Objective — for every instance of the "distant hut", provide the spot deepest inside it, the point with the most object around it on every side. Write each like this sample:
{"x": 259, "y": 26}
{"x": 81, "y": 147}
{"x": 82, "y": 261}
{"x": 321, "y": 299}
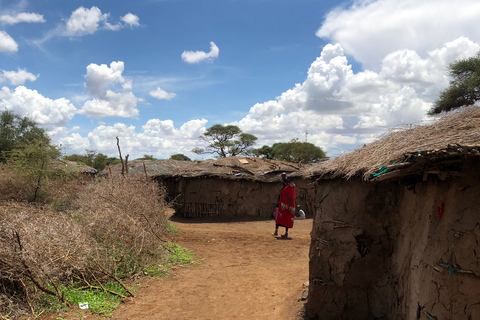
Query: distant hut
{"x": 396, "y": 231}
{"x": 234, "y": 186}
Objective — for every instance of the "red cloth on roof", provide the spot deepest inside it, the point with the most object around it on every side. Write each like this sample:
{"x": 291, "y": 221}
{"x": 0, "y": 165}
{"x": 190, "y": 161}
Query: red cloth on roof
{"x": 286, "y": 207}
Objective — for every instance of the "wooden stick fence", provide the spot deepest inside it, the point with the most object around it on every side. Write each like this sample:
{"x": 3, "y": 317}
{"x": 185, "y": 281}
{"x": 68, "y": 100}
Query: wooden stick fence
{"x": 198, "y": 210}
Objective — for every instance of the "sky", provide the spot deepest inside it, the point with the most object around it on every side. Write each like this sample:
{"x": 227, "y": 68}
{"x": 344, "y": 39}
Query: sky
{"x": 158, "y": 73}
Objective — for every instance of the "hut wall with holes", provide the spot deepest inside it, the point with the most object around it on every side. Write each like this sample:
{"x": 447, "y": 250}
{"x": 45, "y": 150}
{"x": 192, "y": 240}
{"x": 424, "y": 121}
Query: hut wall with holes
{"x": 407, "y": 248}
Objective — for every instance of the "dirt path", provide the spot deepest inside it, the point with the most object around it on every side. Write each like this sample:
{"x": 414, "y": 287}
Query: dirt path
{"x": 244, "y": 272}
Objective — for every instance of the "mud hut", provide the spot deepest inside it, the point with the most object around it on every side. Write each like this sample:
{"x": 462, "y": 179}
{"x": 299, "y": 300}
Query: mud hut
{"x": 234, "y": 186}
{"x": 396, "y": 231}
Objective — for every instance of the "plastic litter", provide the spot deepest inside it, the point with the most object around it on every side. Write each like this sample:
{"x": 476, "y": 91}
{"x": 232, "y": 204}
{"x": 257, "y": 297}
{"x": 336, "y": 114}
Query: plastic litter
{"x": 83, "y": 306}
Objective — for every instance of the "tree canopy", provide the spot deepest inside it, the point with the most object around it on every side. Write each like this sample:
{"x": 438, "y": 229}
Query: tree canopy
{"x": 464, "y": 88}
{"x": 15, "y": 131}
{"x": 180, "y": 157}
{"x": 147, "y": 157}
{"x": 293, "y": 151}
{"x": 91, "y": 158}
{"x": 226, "y": 141}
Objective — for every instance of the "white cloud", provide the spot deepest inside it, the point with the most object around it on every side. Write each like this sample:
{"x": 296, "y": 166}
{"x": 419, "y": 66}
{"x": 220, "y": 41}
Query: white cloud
{"x": 49, "y": 114}
{"x": 27, "y": 17}
{"x": 101, "y": 77}
{"x": 199, "y": 56}
{"x": 131, "y": 20}
{"x": 370, "y": 30}
{"x": 84, "y": 21}
{"x": 17, "y": 77}
{"x": 349, "y": 108}
{"x": 158, "y": 137}
{"x": 113, "y": 105}
{"x": 107, "y": 103}
{"x": 75, "y": 144}
{"x": 113, "y": 27}
{"x": 7, "y": 44}
{"x": 162, "y": 94}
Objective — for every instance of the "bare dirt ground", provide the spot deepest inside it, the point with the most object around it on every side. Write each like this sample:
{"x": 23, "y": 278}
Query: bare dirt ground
{"x": 243, "y": 272}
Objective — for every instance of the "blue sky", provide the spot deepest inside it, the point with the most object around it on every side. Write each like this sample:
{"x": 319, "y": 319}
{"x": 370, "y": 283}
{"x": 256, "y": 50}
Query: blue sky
{"x": 157, "y": 73}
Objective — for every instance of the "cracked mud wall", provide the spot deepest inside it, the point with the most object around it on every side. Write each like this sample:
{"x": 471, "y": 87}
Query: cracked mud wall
{"x": 437, "y": 260}
{"x": 350, "y": 276}
{"x": 380, "y": 251}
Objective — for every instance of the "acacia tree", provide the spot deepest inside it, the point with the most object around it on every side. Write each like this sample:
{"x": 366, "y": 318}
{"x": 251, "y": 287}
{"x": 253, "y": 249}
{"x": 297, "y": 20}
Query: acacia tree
{"x": 464, "y": 88}
{"x": 263, "y": 152}
{"x": 15, "y": 131}
{"x": 226, "y": 141}
{"x": 31, "y": 159}
{"x": 293, "y": 151}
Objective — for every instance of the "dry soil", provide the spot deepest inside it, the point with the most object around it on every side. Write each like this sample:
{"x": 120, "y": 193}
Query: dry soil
{"x": 243, "y": 272}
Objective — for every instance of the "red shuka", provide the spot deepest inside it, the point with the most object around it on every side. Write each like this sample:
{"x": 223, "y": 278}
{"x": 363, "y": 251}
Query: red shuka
{"x": 286, "y": 207}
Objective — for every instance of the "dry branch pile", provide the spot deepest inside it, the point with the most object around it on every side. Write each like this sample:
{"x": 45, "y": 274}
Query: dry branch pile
{"x": 127, "y": 214}
{"x": 113, "y": 227}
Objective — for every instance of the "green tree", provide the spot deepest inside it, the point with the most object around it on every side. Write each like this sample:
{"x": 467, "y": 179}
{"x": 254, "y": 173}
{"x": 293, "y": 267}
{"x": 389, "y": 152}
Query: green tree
{"x": 147, "y": 157}
{"x": 100, "y": 162}
{"x": 113, "y": 161}
{"x": 31, "y": 159}
{"x": 180, "y": 157}
{"x": 464, "y": 88}
{"x": 263, "y": 152}
{"x": 296, "y": 151}
{"x": 243, "y": 145}
{"x": 91, "y": 158}
{"x": 15, "y": 130}
{"x": 226, "y": 141}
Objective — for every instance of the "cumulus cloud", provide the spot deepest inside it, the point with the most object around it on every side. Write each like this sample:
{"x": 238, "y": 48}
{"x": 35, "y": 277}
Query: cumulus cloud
{"x": 162, "y": 94}
{"x": 370, "y": 30}
{"x": 199, "y": 56}
{"x": 131, "y": 20}
{"x": 157, "y": 137}
{"x": 101, "y": 79}
{"x": 49, "y": 114}
{"x": 27, "y": 17}
{"x": 7, "y": 44}
{"x": 17, "y": 77}
{"x": 344, "y": 109}
{"x": 84, "y": 21}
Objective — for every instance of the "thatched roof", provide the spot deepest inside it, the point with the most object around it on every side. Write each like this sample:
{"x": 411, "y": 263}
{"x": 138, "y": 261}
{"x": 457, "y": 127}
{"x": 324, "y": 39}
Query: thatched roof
{"x": 258, "y": 169}
{"x": 452, "y": 135}
{"x": 69, "y": 166}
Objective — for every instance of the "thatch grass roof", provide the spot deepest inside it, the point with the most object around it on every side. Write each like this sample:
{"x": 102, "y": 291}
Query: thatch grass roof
{"x": 68, "y": 166}
{"x": 456, "y": 131}
{"x": 248, "y": 168}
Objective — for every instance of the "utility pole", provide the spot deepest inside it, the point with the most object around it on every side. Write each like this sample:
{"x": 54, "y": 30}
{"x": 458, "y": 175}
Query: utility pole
{"x": 306, "y": 136}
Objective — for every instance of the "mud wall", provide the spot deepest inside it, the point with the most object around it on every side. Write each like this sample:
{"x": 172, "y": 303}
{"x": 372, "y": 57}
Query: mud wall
{"x": 380, "y": 251}
{"x": 213, "y": 196}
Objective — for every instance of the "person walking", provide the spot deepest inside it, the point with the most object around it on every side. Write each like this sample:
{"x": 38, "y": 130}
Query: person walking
{"x": 286, "y": 206}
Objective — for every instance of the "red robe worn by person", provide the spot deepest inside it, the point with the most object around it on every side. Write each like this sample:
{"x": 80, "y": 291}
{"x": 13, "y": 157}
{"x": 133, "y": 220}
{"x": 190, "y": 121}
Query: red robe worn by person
{"x": 286, "y": 207}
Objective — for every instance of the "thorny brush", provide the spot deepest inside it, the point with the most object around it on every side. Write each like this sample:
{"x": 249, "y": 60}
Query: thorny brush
{"x": 84, "y": 233}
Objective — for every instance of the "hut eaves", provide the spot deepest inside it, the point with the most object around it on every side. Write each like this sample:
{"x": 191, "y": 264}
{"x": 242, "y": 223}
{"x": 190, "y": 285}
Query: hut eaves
{"x": 410, "y": 150}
